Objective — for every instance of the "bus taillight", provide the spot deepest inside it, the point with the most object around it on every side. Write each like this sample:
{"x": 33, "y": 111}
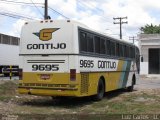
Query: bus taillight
{"x": 72, "y": 74}
{"x": 20, "y": 74}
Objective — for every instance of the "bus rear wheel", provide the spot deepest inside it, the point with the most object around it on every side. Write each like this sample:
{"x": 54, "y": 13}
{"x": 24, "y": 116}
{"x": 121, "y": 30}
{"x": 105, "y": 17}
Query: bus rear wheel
{"x": 100, "y": 91}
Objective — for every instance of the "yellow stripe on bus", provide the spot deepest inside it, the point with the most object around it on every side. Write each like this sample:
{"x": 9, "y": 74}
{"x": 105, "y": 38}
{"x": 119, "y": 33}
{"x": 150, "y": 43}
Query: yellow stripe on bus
{"x": 62, "y": 80}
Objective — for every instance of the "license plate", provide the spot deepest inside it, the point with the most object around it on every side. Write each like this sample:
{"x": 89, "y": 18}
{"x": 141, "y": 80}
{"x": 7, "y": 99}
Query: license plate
{"x": 45, "y": 76}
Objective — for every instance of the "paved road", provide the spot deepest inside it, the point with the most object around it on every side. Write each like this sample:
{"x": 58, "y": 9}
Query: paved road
{"x": 148, "y": 82}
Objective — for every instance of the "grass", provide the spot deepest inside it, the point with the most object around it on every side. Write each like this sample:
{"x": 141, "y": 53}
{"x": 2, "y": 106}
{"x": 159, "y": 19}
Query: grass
{"x": 117, "y": 102}
{"x": 8, "y": 87}
{"x": 8, "y": 90}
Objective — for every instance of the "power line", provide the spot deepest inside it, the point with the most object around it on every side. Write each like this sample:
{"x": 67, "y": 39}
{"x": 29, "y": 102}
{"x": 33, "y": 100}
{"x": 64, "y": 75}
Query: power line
{"x": 58, "y": 12}
{"x": 36, "y": 8}
{"x": 16, "y": 16}
{"x": 120, "y": 23}
{"x": 89, "y": 5}
{"x": 19, "y": 2}
{"x": 9, "y": 15}
{"x": 23, "y": 4}
{"x": 93, "y": 8}
{"x": 35, "y": 5}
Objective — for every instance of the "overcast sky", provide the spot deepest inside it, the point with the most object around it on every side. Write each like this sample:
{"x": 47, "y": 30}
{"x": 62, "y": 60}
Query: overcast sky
{"x": 96, "y": 14}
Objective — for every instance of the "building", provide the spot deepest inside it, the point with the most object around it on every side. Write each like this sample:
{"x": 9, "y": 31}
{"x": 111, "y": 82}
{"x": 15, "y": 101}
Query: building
{"x": 150, "y": 53}
{"x": 9, "y": 53}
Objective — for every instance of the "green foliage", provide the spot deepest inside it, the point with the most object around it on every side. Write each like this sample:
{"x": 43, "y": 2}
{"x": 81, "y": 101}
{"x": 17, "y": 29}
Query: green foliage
{"x": 150, "y": 29}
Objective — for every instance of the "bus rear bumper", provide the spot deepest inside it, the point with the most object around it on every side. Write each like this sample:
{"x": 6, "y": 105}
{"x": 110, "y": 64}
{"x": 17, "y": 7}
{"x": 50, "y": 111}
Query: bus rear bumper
{"x": 49, "y": 92}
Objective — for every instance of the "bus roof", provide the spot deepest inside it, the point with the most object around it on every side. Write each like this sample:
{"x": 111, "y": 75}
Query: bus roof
{"x": 78, "y": 24}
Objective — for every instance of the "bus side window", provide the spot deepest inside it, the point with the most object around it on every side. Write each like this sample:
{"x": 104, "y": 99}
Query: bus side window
{"x": 123, "y": 50}
{"x": 97, "y": 44}
{"x": 120, "y": 50}
{"x": 102, "y": 46}
{"x": 90, "y": 45}
{"x": 83, "y": 42}
{"x": 131, "y": 52}
{"x": 108, "y": 47}
{"x": 117, "y": 49}
{"x": 113, "y": 48}
{"x": 127, "y": 51}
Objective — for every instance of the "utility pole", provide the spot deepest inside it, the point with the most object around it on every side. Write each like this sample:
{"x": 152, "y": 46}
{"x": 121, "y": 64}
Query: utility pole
{"x": 46, "y": 10}
{"x": 120, "y": 23}
{"x": 133, "y": 38}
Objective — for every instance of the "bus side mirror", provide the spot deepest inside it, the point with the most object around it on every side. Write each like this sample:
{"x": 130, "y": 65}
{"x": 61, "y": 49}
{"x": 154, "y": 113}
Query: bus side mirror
{"x": 141, "y": 58}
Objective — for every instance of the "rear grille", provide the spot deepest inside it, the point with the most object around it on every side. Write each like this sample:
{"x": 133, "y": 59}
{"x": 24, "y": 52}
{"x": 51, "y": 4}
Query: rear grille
{"x": 43, "y": 85}
{"x": 48, "y": 86}
{"x": 84, "y": 83}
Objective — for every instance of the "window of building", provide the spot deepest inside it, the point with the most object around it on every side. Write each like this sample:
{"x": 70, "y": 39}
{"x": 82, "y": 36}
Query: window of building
{"x": 6, "y": 39}
{"x": 14, "y": 41}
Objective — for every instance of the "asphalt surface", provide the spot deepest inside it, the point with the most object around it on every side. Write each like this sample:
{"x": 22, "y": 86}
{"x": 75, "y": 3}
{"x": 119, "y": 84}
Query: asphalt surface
{"x": 148, "y": 82}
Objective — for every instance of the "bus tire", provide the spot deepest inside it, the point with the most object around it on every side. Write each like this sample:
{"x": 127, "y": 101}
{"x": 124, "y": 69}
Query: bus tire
{"x": 100, "y": 90}
{"x": 131, "y": 88}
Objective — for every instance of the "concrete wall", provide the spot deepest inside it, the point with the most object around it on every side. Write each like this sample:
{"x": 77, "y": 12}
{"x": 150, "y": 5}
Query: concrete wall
{"x": 147, "y": 41}
{"x": 144, "y": 68}
{"x": 9, "y": 54}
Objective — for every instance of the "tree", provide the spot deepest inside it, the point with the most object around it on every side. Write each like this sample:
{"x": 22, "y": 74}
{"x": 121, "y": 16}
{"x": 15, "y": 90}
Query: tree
{"x": 150, "y": 29}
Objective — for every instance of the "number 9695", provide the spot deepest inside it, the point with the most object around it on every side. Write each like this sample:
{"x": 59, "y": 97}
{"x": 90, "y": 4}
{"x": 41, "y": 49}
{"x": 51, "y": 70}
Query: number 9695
{"x": 86, "y": 63}
{"x": 45, "y": 67}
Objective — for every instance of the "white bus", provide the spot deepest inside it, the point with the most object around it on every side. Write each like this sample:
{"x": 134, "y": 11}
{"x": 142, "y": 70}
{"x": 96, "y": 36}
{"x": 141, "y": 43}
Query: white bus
{"x": 66, "y": 58}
